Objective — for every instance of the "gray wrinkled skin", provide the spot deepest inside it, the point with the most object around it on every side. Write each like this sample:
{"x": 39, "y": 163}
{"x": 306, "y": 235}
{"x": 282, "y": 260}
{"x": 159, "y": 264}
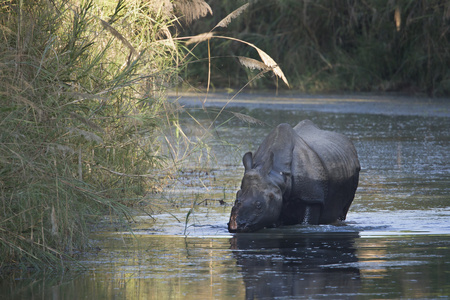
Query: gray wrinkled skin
{"x": 297, "y": 175}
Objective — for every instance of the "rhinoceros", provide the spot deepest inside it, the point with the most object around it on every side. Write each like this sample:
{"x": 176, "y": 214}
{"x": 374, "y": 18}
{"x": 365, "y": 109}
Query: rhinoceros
{"x": 300, "y": 175}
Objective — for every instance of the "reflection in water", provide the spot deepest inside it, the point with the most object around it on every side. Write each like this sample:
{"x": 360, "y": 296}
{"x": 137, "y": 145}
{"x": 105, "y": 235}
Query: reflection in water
{"x": 289, "y": 263}
{"x": 293, "y": 265}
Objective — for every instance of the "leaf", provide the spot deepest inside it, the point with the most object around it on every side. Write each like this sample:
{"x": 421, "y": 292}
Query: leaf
{"x": 117, "y": 35}
{"x": 85, "y": 121}
{"x": 272, "y": 64}
{"x": 252, "y": 63}
{"x": 54, "y": 221}
{"x": 225, "y": 21}
{"x": 25, "y": 101}
{"x": 187, "y": 220}
{"x": 397, "y": 17}
{"x": 169, "y": 40}
{"x": 89, "y": 136}
{"x": 200, "y": 38}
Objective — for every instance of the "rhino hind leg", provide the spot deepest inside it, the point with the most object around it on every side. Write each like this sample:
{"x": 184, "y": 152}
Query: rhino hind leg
{"x": 311, "y": 215}
{"x": 343, "y": 216}
{"x": 350, "y": 196}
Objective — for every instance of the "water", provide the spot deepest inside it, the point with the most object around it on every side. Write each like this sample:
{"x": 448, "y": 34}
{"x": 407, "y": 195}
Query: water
{"x": 395, "y": 242}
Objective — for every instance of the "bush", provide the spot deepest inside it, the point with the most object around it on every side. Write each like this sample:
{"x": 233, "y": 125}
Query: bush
{"x": 327, "y": 46}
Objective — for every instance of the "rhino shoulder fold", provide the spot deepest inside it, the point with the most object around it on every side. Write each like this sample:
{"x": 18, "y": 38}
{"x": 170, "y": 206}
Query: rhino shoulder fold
{"x": 309, "y": 175}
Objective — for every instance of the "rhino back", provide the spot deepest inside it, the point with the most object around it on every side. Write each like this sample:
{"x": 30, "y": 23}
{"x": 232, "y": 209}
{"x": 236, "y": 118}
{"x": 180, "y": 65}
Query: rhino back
{"x": 331, "y": 170}
{"x": 335, "y": 150}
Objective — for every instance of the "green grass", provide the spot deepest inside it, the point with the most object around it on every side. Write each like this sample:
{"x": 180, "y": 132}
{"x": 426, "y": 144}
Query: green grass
{"x": 82, "y": 107}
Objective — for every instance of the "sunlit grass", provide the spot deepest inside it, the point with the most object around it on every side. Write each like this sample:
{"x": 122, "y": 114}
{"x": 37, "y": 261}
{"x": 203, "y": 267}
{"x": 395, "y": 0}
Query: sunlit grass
{"x": 82, "y": 92}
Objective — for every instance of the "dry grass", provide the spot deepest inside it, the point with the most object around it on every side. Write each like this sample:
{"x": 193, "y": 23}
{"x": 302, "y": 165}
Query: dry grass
{"x": 192, "y": 10}
{"x": 265, "y": 58}
{"x": 234, "y": 14}
{"x": 82, "y": 91}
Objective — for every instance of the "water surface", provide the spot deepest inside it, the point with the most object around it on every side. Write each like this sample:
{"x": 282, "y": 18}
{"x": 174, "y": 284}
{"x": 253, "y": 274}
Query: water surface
{"x": 395, "y": 242}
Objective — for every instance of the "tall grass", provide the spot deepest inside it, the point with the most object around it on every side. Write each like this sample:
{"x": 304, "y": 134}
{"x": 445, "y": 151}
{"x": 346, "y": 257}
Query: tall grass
{"x": 81, "y": 92}
{"x": 340, "y": 45}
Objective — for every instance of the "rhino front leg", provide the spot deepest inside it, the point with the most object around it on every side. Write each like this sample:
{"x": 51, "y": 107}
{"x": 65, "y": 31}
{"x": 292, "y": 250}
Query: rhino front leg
{"x": 312, "y": 214}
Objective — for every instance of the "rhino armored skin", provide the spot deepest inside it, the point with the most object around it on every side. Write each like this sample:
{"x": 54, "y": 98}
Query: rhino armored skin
{"x": 300, "y": 175}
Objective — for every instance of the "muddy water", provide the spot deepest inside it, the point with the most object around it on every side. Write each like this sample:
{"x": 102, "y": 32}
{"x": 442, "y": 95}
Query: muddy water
{"x": 395, "y": 242}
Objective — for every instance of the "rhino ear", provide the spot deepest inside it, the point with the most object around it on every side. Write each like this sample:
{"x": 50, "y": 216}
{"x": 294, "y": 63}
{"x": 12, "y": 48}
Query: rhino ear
{"x": 247, "y": 160}
{"x": 268, "y": 165}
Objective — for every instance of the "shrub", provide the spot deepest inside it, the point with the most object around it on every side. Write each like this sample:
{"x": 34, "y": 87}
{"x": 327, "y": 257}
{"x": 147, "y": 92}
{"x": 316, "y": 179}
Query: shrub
{"x": 325, "y": 46}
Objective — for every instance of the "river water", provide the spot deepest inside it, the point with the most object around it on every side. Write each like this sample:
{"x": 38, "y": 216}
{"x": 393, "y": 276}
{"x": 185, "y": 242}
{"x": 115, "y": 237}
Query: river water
{"x": 395, "y": 242}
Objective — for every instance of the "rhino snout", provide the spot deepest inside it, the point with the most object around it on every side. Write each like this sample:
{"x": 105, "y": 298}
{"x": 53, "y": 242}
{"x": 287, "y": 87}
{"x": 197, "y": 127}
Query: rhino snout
{"x": 235, "y": 226}
{"x": 232, "y": 225}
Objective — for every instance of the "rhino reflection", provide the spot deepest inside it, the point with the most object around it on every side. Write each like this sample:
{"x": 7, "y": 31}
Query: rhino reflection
{"x": 305, "y": 265}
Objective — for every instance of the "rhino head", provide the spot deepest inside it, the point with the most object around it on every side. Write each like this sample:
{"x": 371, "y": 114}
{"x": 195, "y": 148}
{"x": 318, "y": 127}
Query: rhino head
{"x": 259, "y": 201}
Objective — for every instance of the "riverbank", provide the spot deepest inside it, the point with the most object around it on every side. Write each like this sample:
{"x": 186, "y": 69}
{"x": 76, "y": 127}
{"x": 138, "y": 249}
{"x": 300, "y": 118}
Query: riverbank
{"x": 367, "y": 103}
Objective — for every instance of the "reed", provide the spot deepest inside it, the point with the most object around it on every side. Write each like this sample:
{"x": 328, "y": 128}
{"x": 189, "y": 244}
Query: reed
{"x": 82, "y": 106}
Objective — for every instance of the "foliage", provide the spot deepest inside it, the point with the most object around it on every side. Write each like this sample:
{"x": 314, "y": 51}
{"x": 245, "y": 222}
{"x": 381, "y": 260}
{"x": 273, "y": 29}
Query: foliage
{"x": 334, "y": 46}
{"x": 81, "y": 107}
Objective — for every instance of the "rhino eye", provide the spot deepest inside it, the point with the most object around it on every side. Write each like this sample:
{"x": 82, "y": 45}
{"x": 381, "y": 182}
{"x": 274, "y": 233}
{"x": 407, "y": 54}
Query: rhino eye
{"x": 258, "y": 204}
{"x": 272, "y": 196}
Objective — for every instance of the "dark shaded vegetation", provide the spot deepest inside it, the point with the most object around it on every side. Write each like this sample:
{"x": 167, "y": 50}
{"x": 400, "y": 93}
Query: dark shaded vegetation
{"x": 328, "y": 46}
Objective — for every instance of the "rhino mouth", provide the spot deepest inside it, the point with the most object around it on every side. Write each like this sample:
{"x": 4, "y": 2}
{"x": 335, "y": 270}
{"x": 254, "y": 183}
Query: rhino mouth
{"x": 233, "y": 227}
